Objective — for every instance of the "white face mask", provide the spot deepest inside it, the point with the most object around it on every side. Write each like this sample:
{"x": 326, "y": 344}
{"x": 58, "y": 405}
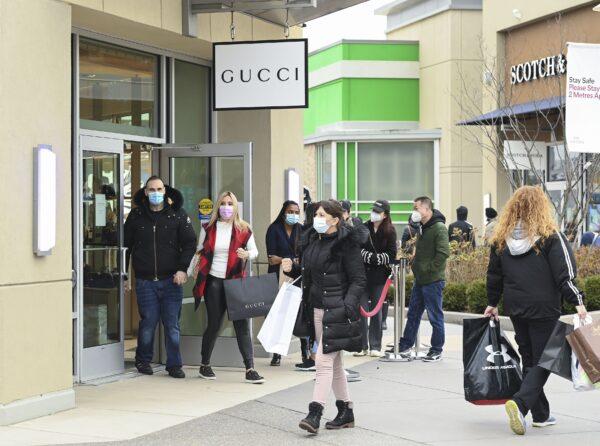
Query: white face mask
{"x": 415, "y": 217}
{"x": 375, "y": 217}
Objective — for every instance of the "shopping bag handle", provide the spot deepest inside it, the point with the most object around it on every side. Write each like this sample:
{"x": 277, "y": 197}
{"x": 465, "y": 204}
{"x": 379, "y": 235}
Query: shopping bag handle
{"x": 294, "y": 281}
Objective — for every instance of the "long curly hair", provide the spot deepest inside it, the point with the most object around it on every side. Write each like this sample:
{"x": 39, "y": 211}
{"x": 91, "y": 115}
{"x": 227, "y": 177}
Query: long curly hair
{"x": 531, "y": 206}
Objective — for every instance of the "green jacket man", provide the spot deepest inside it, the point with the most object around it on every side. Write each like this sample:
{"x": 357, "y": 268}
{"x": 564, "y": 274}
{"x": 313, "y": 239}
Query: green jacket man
{"x": 429, "y": 267}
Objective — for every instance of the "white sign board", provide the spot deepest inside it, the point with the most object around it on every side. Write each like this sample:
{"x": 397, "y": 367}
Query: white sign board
{"x": 292, "y": 185}
{"x": 528, "y": 155}
{"x": 261, "y": 74}
{"x": 583, "y": 98}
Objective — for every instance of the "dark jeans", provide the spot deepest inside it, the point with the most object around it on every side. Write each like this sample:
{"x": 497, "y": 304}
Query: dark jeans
{"x": 425, "y": 297}
{"x": 531, "y": 336}
{"x": 372, "y": 331}
{"x": 158, "y": 300}
{"x": 214, "y": 298}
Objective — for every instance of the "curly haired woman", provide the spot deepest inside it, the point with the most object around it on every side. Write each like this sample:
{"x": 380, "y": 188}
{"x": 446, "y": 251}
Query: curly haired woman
{"x": 532, "y": 268}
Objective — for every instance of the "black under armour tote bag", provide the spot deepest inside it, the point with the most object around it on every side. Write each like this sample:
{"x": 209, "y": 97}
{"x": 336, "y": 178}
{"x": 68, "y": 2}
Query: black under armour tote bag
{"x": 492, "y": 366}
{"x": 251, "y": 296}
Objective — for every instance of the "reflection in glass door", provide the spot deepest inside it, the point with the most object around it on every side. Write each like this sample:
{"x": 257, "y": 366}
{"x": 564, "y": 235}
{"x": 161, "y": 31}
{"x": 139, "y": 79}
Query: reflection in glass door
{"x": 102, "y": 264}
{"x": 201, "y": 175}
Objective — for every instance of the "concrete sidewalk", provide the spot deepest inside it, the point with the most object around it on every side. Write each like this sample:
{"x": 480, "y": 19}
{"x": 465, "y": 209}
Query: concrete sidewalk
{"x": 396, "y": 404}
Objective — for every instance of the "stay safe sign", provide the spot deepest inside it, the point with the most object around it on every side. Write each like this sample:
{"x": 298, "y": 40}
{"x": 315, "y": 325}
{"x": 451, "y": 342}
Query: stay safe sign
{"x": 583, "y": 98}
{"x": 260, "y": 74}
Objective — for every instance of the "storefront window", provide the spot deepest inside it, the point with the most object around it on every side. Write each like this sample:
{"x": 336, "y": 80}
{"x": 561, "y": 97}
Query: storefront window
{"x": 191, "y": 103}
{"x": 324, "y": 171}
{"x": 118, "y": 89}
{"x": 395, "y": 171}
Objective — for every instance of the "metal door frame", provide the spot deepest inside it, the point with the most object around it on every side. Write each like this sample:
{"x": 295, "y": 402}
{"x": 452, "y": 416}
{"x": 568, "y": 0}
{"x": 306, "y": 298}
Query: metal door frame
{"x": 226, "y": 351}
{"x": 110, "y": 356}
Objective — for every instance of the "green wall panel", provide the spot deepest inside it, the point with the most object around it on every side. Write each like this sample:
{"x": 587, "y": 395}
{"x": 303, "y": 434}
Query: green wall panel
{"x": 368, "y": 51}
{"x": 364, "y": 51}
{"x": 362, "y": 100}
{"x": 380, "y": 100}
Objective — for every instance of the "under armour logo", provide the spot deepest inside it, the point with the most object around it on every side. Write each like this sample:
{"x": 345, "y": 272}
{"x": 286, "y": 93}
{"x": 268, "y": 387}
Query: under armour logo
{"x": 505, "y": 356}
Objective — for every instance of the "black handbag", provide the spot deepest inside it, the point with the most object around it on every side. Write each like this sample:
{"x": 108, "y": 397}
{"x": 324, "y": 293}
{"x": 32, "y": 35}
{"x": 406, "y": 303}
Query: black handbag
{"x": 251, "y": 296}
{"x": 556, "y": 357}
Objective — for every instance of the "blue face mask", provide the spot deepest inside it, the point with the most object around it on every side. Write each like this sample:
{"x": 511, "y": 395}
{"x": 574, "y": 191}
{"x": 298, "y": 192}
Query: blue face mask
{"x": 292, "y": 219}
{"x": 320, "y": 225}
{"x": 156, "y": 198}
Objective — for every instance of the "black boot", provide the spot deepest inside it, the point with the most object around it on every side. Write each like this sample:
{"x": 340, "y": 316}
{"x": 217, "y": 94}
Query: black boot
{"x": 344, "y": 418}
{"x": 313, "y": 420}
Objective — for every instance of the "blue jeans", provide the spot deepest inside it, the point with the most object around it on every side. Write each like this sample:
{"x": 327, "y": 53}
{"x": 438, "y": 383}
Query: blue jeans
{"x": 158, "y": 300}
{"x": 425, "y": 297}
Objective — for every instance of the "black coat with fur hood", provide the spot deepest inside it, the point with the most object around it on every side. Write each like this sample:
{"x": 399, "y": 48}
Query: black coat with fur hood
{"x": 333, "y": 279}
{"x": 161, "y": 243}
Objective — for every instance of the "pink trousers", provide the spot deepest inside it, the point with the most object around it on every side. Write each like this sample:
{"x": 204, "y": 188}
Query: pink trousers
{"x": 330, "y": 369}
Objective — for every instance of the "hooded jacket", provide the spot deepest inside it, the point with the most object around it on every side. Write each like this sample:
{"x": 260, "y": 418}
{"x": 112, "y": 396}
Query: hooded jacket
{"x": 533, "y": 278}
{"x": 431, "y": 251}
{"x": 333, "y": 279}
{"x": 461, "y": 230}
{"x": 160, "y": 243}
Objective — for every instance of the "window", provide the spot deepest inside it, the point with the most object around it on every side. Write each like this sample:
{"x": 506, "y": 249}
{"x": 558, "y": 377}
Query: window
{"x": 118, "y": 89}
{"x": 191, "y": 103}
{"x": 324, "y": 166}
{"x": 395, "y": 171}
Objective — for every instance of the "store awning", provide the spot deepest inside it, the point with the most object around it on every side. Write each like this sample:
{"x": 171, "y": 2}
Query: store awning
{"x": 503, "y": 115}
{"x": 280, "y": 12}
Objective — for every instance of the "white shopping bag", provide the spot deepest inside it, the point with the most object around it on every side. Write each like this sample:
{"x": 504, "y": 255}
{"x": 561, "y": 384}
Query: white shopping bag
{"x": 580, "y": 379}
{"x": 275, "y": 334}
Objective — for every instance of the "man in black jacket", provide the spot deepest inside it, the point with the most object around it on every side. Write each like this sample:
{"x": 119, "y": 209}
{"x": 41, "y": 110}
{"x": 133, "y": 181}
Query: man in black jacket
{"x": 461, "y": 230}
{"x": 160, "y": 237}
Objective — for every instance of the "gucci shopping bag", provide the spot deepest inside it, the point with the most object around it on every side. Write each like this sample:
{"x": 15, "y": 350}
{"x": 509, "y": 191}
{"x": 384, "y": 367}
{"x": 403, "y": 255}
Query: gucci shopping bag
{"x": 492, "y": 372}
{"x": 251, "y": 296}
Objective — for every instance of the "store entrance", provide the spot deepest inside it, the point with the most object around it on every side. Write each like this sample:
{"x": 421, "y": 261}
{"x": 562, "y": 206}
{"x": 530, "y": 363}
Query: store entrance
{"x": 112, "y": 171}
{"x": 201, "y": 173}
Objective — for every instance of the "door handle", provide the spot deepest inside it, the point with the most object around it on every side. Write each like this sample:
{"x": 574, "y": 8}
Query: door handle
{"x": 123, "y": 256}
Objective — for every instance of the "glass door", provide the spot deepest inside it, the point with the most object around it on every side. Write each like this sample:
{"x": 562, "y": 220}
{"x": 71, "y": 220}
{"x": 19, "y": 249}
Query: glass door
{"x": 101, "y": 258}
{"x": 201, "y": 173}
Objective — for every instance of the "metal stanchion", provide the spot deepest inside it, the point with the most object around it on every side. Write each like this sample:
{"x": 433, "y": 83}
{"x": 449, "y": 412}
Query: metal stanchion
{"x": 399, "y": 281}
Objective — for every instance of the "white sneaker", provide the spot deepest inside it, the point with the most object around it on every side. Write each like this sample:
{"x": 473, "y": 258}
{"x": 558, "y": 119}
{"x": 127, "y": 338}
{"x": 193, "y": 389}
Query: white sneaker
{"x": 375, "y": 354}
{"x": 551, "y": 421}
{"x": 361, "y": 353}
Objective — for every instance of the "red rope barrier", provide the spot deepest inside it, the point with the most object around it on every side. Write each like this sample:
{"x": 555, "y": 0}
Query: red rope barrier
{"x": 384, "y": 292}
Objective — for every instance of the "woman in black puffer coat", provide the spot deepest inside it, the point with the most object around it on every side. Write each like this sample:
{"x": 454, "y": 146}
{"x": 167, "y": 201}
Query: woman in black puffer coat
{"x": 333, "y": 280}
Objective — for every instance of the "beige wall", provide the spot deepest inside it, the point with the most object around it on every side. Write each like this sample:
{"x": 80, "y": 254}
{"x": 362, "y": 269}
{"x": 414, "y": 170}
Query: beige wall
{"x": 449, "y": 59}
{"x": 35, "y": 293}
{"x": 35, "y": 93}
{"x": 499, "y": 24}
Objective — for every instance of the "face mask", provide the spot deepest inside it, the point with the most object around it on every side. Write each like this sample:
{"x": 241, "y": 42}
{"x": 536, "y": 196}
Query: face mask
{"x": 415, "y": 217}
{"x": 156, "y": 198}
{"x": 226, "y": 212}
{"x": 375, "y": 217}
{"x": 292, "y": 219}
{"x": 320, "y": 225}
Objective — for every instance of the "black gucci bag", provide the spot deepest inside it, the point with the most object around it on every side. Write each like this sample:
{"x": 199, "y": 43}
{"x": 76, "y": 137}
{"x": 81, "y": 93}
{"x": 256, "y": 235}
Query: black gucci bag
{"x": 251, "y": 296}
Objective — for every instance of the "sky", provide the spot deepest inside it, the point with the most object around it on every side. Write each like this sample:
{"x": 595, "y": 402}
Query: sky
{"x": 356, "y": 22}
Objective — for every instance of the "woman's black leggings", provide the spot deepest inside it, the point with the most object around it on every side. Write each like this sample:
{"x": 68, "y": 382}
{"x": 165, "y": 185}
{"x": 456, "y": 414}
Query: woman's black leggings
{"x": 216, "y": 305}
